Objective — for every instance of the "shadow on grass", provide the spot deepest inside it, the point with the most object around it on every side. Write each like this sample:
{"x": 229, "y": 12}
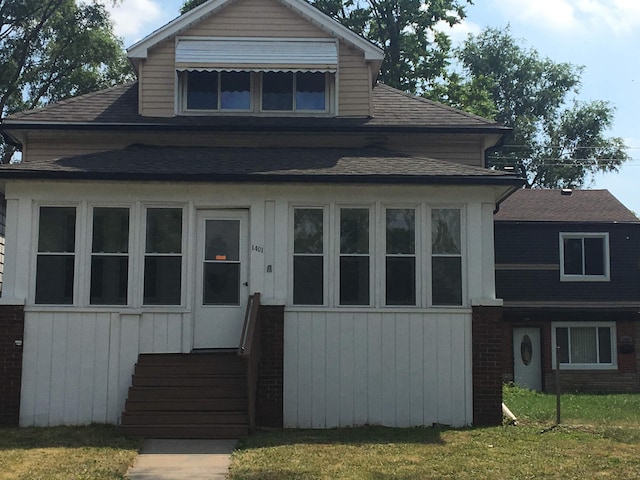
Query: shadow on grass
{"x": 345, "y": 436}
{"x": 100, "y": 436}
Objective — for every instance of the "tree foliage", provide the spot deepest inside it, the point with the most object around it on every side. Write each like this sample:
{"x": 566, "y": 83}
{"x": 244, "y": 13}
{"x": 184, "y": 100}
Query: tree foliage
{"x": 555, "y": 142}
{"x": 415, "y": 51}
{"x": 54, "y": 49}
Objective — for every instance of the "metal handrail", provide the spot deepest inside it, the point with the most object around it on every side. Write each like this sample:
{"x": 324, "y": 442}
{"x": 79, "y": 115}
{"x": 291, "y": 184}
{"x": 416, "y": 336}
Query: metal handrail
{"x": 249, "y": 349}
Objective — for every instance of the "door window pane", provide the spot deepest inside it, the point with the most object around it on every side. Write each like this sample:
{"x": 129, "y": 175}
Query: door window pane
{"x": 222, "y": 240}
{"x": 221, "y": 283}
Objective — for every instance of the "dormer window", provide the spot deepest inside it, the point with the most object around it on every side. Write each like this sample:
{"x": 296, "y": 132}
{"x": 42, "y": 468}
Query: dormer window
{"x": 268, "y": 76}
{"x": 223, "y": 91}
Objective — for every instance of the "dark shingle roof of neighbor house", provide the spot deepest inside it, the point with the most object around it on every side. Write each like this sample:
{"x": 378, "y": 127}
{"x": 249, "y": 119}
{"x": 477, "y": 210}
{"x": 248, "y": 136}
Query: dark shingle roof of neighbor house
{"x": 118, "y": 106}
{"x": 540, "y": 205}
{"x": 364, "y": 165}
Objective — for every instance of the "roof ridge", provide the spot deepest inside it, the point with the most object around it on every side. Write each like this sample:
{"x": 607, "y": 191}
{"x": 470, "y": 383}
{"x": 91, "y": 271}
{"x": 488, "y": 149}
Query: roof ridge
{"x": 437, "y": 104}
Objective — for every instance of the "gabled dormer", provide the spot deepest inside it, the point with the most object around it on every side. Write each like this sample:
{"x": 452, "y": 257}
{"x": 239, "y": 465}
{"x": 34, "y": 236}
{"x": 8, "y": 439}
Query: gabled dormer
{"x": 255, "y": 57}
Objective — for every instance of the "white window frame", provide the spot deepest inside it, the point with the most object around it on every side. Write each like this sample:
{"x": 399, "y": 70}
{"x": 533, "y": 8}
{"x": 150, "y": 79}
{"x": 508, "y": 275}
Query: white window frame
{"x": 585, "y": 366}
{"x": 581, "y": 277}
{"x": 418, "y": 255}
{"x": 132, "y": 271}
{"x": 143, "y": 254}
{"x": 183, "y": 89}
{"x": 77, "y": 253}
{"x": 429, "y": 255}
{"x": 325, "y": 253}
{"x": 373, "y": 253}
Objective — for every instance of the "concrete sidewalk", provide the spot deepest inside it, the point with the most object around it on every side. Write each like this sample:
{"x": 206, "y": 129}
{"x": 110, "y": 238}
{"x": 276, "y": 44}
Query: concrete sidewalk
{"x": 183, "y": 459}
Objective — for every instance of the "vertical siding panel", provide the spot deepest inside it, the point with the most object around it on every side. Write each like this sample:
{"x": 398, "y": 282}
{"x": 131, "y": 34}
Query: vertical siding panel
{"x": 101, "y": 377}
{"x": 361, "y": 369}
{"x": 402, "y": 367}
{"x": 333, "y": 371}
{"x": 146, "y": 333}
{"x": 305, "y": 372}
{"x": 174, "y": 333}
{"x": 128, "y": 356}
{"x": 431, "y": 379}
{"x": 44, "y": 369}
{"x": 57, "y": 374}
{"x": 114, "y": 368}
{"x": 444, "y": 369}
{"x": 72, "y": 369}
{"x": 416, "y": 369}
{"x": 374, "y": 375}
{"x": 388, "y": 370}
{"x": 88, "y": 351}
{"x": 160, "y": 332}
{"x": 29, "y": 370}
{"x": 319, "y": 365}
{"x": 187, "y": 332}
{"x": 458, "y": 368}
{"x": 347, "y": 353}
{"x": 290, "y": 374}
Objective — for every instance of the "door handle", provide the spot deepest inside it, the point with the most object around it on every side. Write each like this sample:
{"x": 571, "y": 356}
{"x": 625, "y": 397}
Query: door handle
{"x": 246, "y": 284}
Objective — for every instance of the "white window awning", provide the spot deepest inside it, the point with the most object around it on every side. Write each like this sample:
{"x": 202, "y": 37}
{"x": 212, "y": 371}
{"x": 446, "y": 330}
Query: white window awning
{"x": 317, "y": 55}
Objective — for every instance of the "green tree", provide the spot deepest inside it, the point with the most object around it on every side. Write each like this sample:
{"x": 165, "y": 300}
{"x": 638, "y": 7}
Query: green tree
{"x": 416, "y": 52}
{"x": 555, "y": 142}
{"x": 54, "y": 49}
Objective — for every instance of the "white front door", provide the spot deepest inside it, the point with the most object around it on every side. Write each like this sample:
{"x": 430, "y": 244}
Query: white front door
{"x": 222, "y": 280}
{"x": 527, "y": 362}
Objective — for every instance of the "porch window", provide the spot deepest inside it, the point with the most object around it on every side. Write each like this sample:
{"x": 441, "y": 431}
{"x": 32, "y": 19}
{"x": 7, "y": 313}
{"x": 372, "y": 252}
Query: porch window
{"x": 584, "y": 345}
{"x": 446, "y": 257}
{"x": 293, "y": 91}
{"x": 400, "y": 256}
{"x": 354, "y": 256}
{"x": 584, "y": 256}
{"x": 229, "y": 91}
{"x": 110, "y": 256}
{"x": 308, "y": 256}
{"x": 163, "y": 257}
{"x": 55, "y": 262}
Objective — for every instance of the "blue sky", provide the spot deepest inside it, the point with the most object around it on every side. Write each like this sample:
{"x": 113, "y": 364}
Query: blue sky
{"x": 601, "y": 35}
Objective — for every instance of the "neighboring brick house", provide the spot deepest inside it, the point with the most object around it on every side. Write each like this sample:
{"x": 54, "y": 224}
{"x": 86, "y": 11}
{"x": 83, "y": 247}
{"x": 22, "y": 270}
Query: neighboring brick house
{"x": 568, "y": 270}
{"x": 256, "y": 153}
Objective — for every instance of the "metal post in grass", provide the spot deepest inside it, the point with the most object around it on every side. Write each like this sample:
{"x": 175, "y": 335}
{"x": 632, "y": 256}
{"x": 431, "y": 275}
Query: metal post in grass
{"x": 557, "y": 385}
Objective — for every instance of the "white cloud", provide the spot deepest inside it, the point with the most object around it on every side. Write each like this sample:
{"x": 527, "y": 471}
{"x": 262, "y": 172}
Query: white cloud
{"x": 616, "y": 17}
{"x": 134, "y": 19}
{"x": 459, "y": 32}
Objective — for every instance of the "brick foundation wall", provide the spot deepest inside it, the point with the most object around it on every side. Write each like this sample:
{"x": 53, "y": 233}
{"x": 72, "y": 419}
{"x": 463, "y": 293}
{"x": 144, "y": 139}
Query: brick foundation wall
{"x": 11, "y": 330}
{"x": 488, "y": 365}
{"x": 269, "y": 401}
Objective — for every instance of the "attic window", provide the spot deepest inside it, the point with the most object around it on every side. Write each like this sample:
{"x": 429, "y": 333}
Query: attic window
{"x": 218, "y": 91}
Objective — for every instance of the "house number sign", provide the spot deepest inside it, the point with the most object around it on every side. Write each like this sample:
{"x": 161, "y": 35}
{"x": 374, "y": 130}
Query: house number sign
{"x": 257, "y": 248}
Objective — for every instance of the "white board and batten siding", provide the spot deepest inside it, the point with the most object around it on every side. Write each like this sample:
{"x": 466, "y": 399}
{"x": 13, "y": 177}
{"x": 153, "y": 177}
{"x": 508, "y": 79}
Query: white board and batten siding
{"x": 79, "y": 365}
{"x": 346, "y": 368}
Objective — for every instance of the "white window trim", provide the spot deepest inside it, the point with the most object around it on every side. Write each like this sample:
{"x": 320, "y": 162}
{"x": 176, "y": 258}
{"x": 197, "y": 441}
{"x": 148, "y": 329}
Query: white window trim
{"x": 585, "y": 278}
{"x": 586, "y": 366}
{"x": 325, "y": 249}
{"x": 35, "y": 228}
{"x": 143, "y": 254}
{"x": 331, "y": 96}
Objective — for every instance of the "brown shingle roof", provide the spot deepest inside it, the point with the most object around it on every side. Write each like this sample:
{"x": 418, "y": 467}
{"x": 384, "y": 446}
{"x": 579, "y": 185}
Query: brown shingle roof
{"x": 119, "y": 105}
{"x": 538, "y": 205}
{"x": 369, "y": 165}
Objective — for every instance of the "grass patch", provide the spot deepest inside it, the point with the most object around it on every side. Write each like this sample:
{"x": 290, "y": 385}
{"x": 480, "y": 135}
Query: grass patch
{"x": 600, "y": 439}
{"x": 96, "y": 452}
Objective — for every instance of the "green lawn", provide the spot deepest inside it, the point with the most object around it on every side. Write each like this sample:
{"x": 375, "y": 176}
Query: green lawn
{"x": 65, "y": 453}
{"x": 600, "y": 439}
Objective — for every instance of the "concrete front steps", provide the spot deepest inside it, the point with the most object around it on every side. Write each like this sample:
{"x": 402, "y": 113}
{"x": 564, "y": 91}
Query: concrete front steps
{"x": 197, "y": 395}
